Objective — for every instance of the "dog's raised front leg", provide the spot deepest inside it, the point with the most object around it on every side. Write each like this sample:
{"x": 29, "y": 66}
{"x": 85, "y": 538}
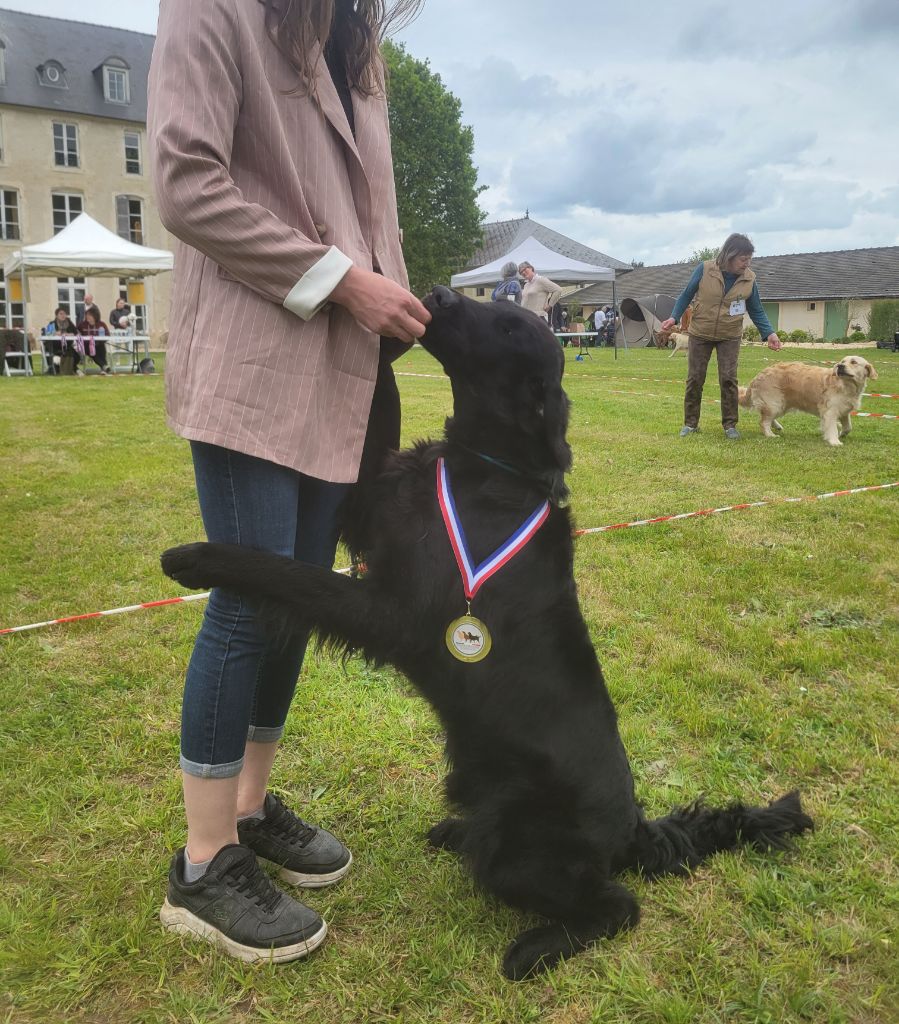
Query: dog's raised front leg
{"x": 298, "y": 595}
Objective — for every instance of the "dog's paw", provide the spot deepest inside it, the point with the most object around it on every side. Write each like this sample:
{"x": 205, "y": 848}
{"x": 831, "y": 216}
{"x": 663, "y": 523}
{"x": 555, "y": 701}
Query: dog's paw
{"x": 447, "y": 834}
{"x": 533, "y": 952}
{"x": 187, "y": 565}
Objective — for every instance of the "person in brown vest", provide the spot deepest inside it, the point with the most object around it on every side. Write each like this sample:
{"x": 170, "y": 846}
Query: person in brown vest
{"x": 724, "y": 290}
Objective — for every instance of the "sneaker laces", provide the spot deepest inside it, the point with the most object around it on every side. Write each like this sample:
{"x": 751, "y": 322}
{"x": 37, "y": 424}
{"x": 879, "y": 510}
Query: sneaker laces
{"x": 255, "y": 884}
{"x": 289, "y": 826}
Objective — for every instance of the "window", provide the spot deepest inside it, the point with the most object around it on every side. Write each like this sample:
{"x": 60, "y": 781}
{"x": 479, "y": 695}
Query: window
{"x": 12, "y": 314}
{"x": 115, "y": 84}
{"x": 52, "y": 75}
{"x": 9, "y": 214}
{"x": 139, "y": 309}
{"x": 65, "y": 144}
{"x": 66, "y": 207}
{"x": 811, "y": 307}
{"x": 70, "y": 293}
{"x": 2, "y": 62}
{"x": 132, "y": 153}
{"x": 130, "y": 218}
{"x": 480, "y": 292}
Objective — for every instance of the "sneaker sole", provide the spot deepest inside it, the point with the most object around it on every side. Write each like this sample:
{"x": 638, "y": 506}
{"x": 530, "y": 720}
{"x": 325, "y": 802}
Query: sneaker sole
{"x": 181, "y": 920}
{"x": 319, "y": 881}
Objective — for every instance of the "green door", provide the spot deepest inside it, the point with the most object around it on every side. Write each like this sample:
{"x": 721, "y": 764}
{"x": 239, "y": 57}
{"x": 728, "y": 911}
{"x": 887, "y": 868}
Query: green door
{"x": 772, "y": 312}
{"x": 836, "y": 319}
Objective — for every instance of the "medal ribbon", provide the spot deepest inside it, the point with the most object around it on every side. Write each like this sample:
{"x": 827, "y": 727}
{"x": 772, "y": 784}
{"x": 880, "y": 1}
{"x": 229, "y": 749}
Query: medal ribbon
{"x": 474, "y": 578}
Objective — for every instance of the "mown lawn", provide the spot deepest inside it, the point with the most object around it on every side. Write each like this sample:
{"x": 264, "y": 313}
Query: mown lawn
{"x": 748, "y": 653}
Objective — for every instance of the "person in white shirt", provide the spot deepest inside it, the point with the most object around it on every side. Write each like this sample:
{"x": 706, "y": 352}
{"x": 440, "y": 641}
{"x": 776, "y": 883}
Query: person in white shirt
{"x": 539, "y": 293}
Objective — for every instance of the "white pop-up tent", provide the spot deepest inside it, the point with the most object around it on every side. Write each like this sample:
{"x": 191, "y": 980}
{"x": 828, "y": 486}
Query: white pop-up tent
{"x": 555, "y": 266}
{"x": 84, "y": 248}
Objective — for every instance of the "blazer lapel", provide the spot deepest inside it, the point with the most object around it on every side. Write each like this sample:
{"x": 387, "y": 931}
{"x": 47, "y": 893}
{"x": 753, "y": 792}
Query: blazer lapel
{"x": 329, "y": 101}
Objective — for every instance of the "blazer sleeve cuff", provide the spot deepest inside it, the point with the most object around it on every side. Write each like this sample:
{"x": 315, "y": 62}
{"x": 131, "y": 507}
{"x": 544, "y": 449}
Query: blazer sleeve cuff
{"x": 311, "y": 292}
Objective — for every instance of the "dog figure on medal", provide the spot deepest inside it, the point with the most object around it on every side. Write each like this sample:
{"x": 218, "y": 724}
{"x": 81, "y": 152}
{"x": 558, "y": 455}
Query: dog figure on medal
{"x": 468, "y": 639}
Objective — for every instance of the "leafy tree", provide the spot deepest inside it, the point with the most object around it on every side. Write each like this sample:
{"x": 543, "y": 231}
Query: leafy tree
{"x": 883, "y": 321}
{"x": 436, "y": 182}
{"x": 707, "y": 252}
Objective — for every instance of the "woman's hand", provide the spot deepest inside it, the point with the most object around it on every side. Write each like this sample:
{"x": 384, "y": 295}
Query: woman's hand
{"x": 774, "y": 343}
{"x": 666, "y": 325}
{"x": 381, "y": 305}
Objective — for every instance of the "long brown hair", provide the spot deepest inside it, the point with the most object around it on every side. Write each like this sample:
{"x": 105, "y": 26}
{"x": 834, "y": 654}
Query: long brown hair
{"x": 355, "y": 26}
{"x": 734, "y": 245}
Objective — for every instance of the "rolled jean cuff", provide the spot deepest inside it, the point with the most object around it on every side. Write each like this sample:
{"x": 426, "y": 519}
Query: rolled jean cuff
{"x": 211, "y": 771}
{"x": 265, "y": 733}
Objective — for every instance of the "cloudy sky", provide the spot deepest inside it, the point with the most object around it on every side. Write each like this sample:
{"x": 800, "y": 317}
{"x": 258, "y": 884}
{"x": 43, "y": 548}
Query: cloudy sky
{"x": 648, "y": 129}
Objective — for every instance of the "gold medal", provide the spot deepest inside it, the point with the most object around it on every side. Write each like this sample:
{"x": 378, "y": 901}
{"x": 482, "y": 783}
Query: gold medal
{"x": 468, "y": 639}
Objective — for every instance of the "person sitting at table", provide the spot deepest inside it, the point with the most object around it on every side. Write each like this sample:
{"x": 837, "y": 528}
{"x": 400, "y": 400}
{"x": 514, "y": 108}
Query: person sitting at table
{"x": 94, "y": 332}
{"x": 56, "y": 342}
{"x": 121, "y": 309}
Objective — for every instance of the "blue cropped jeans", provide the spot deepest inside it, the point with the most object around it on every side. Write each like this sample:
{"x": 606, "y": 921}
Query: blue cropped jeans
{"x": 239, "y": 682}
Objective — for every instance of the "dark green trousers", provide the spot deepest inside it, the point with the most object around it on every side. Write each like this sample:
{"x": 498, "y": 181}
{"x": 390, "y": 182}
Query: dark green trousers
{"x": 698, "y": 355}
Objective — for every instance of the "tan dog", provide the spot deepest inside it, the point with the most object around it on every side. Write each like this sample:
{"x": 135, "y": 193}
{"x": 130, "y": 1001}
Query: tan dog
{"x": 681, "y": 342}
{"x": 830, "y": 394}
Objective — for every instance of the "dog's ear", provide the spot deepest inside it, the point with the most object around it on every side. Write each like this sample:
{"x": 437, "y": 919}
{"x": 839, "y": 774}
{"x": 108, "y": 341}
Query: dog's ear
{"x": 870, "y": 371}
{"x": 555, "y": 425}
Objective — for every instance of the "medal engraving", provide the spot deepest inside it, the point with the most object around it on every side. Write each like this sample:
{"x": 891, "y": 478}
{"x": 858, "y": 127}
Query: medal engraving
{"x": 468, "y": 639}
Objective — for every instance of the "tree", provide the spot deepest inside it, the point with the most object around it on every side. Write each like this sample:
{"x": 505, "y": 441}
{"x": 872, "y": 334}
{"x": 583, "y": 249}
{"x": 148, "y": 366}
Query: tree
{"x": 707, "y": 252}
{"x": 436, "y": 181}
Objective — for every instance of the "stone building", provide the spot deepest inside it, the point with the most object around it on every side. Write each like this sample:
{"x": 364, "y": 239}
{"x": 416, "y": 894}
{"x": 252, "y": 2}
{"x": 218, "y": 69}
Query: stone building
{"x": 73, "y": 111}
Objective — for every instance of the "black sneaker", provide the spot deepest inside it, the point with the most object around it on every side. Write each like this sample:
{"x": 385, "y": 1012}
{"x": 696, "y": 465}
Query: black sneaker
{"x": 236, "y": 906}
{"x": 308, "y": 856}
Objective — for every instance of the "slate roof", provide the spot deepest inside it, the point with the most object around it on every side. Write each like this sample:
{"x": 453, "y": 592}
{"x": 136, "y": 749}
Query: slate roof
{"x": 31, "y": 41}
{"x": 810, "y": 276}
{"x": 503, "y": 235}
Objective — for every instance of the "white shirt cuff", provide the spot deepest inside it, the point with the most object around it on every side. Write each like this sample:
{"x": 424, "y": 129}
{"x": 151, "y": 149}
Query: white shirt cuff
{"x": 311, "y": 292}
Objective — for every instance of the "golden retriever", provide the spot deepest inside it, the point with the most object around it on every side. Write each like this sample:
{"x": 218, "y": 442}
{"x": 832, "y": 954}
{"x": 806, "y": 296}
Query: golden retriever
{"x": 831, "y": 394}
{"x": 681, "y": 342}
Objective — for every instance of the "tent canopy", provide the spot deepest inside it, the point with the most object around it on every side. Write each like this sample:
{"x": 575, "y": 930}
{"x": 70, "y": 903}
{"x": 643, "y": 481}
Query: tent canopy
{"x": 85, "y": 248}
{"x": 559, "y": 268}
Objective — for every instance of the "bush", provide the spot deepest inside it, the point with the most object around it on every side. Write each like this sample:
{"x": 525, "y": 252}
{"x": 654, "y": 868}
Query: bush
{"x": 800, "y": 335}
{"x": 884, "y": 319}
{"x": 751, "y": 335}
{"x": 857, "y": 336}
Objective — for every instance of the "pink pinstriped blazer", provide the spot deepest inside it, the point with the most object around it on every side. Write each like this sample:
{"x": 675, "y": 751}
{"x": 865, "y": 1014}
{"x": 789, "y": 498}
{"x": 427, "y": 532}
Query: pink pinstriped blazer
{"x": 270, "y": 198}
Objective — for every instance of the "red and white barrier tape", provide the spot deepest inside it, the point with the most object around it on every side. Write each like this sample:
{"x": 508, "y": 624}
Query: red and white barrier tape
{"x": 735, "y": 508}
{"x": 717, "y": 401}
{"x": 577, "y": 533}
{"x": 680, "y": 383}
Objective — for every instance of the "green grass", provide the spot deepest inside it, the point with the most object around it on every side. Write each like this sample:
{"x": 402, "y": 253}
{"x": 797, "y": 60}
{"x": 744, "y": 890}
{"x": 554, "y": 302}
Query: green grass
{"x": 748, "y": 653}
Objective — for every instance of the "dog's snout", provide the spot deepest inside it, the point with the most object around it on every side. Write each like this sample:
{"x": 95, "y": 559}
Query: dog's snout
{"x": 444, "y": 297}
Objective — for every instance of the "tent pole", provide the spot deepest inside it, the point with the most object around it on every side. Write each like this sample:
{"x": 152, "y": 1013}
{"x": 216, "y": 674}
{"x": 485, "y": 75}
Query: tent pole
{"x": 615, "y": 320}
{"x": 29, "y": 372}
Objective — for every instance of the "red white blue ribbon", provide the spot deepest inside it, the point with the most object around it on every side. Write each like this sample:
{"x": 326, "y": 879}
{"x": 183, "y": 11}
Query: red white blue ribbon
{"x": 473, "y": 577}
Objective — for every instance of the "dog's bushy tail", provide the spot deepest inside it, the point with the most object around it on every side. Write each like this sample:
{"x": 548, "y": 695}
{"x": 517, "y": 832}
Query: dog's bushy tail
{"x": 745, "y": 397}
{"x": 686, "y": 837}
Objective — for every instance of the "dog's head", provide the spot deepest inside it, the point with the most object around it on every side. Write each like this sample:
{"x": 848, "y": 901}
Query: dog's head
{"x": 856, "y": 369}
{"x": 505, "y": 366}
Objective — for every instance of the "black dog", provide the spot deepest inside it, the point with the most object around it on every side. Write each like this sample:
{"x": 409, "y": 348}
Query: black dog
{"x": 539, "y": 776}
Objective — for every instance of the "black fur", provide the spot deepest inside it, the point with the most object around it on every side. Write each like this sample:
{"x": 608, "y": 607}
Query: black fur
{"x": 539, "y": 777}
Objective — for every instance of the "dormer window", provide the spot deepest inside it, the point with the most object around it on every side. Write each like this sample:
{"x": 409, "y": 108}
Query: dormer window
{"x": 2, "y": 62}
{"x": 52, "y": 75}
{"x": 116, "y": 84}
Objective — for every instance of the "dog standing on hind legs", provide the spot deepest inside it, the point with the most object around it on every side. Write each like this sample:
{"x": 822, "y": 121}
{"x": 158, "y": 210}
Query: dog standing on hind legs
{"x": 470, "y": 592}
